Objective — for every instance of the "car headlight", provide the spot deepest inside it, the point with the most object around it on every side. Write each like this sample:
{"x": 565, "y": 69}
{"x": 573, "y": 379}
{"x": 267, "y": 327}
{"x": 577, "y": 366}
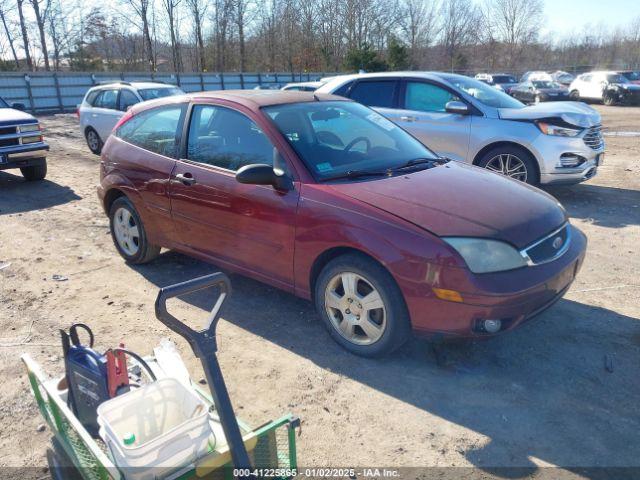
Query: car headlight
{"x": 555, "y": 130}
{"x": 32, "y": 127}
{"x": 484, "y": 256}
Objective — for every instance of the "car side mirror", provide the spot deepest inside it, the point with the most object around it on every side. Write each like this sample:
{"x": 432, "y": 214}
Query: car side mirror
{"x": 262, "y": 174}
{"x": 18, "y": 106}
{"x": 457, "y": 107}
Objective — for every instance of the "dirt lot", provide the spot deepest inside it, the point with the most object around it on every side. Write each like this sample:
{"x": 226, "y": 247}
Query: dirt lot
{"x": 537, "y": 397}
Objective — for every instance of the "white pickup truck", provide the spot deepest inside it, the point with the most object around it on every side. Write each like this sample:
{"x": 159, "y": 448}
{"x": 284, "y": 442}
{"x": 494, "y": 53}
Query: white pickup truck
{"x": 21, "y": 142}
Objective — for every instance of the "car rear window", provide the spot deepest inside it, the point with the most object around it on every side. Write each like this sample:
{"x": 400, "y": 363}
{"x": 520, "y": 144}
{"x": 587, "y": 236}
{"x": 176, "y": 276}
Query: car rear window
{"x": 375, "y": 93}
{"x": 151, "y": 93}
{"x": 155, "y": 130}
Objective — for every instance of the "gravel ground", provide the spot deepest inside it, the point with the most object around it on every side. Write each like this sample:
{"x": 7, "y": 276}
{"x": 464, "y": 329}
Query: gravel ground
{"x": 540, "y": 396}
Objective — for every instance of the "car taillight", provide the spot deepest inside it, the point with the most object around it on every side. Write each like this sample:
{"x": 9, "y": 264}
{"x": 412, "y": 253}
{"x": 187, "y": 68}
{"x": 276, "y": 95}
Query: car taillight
{"x": 124, "y": 119}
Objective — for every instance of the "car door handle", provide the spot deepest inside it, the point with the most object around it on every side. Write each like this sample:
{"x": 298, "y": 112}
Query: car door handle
{"x": 407, "y": 118}
{"x": 186, "y": 179}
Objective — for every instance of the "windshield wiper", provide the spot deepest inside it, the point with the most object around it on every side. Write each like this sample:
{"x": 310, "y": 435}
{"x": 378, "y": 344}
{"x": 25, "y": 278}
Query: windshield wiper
{"x": 358, "y": 174}
{"x": 417, "y": 162}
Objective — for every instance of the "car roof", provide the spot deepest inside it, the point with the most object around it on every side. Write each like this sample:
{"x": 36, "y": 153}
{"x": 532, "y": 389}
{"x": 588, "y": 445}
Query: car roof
{"x": 342, "y": 79}
{"x": 136, "y": 85}
{"x": 263, "y": 98}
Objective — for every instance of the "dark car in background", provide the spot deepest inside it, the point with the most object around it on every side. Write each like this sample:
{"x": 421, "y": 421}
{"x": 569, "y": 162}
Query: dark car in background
{"x": 537, "y": 91}
{"x": 632, "y": 76}
{"x": 327, "y": 199}
{"x": 501, "y": 81}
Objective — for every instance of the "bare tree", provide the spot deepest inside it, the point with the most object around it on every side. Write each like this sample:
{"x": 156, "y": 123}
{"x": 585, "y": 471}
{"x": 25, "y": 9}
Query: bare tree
{"x": 198, "y": 9}
{"x": 40, "y": 22}
{"x": 419, "y": 25}
{"x": 460, "y": 20}
{"x": 171, "y": 9}
{"x": 25, "y": 35}
{"x": 515, "y": 23}
{"x": 143, "y": 8}
{"x": 4, "y": 11}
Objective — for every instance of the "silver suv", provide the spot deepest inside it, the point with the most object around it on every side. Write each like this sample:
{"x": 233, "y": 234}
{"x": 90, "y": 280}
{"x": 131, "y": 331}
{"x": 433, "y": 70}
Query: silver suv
{"x": 105, "y": 104}
{"x": 469, "y": 121}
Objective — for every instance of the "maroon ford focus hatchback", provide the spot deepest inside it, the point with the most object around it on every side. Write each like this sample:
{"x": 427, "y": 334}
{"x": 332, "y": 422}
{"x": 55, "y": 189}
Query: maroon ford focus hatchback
{"x": 328, "y": 200}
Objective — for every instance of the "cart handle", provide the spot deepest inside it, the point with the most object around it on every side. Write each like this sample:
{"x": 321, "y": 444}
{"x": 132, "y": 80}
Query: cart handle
{"x": 194, "y": 337}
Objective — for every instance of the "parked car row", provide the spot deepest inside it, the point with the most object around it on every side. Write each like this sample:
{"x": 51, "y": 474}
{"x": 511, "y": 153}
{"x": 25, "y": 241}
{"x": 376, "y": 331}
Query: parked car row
{"x": 608, "y": 87}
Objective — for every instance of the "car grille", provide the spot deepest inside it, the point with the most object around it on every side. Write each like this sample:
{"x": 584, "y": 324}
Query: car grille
{"x": 593, "y": 138}
{"x": 549, "y": 247}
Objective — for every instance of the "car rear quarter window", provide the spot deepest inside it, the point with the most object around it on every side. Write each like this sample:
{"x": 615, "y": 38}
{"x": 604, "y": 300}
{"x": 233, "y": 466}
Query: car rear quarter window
{"x": 91, "y": 97}
{"x": 127, "y": 99}
{"x": 426, "y": 97}
{"x": 226, "y": 138}
{"x": 107, "y": 99}
{"x": 374, "y": 93}
{"x": 155, "y": 130}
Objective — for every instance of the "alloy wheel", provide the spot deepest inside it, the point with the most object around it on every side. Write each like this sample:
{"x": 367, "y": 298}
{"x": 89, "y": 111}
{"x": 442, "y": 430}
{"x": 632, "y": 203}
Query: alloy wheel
{"x": 356, "y": 309}
{"x": 509, "y": 165}
{"x": 93, "y": 141}
{"x": 126, "y": 231}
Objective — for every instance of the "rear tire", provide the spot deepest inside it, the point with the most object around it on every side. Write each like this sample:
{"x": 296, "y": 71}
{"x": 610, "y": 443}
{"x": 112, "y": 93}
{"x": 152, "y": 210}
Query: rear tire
{"x": 34, "y": 173}
{"x": 512, "y": 156}
{"x": 382, "y": 323}
{"x": 94, "y": 142}
{"x": 128, "y": 233}
{"x": 574, "y": 95}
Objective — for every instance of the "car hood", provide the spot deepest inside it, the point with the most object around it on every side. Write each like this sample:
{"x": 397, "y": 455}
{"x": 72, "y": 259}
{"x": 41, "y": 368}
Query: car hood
{"x": 11, "y": 116}
{"x": 460, "y": 200}
{"x": 629, "y": 86}
{"x": 573, "y": 113}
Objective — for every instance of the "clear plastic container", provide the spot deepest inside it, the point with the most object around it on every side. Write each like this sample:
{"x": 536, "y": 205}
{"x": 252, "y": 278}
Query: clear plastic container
{"x": 170, "y": 424}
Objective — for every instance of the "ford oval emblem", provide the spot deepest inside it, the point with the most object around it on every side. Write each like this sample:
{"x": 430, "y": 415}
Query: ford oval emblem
{"x": 557, "y": 242}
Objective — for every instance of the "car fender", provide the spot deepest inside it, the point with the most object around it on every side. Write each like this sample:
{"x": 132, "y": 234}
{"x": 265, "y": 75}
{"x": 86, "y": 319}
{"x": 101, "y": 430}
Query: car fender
{"x": 327, "y": 230}
{"x": 114, "y": 182}
{"x": 521, "y": 134}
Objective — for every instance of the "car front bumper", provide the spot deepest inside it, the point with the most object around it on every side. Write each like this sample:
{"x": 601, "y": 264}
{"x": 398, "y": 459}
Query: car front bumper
{"x": 23, "y": 156}
{"x": 549, "y": 150}
{"x": 513, "y": 297}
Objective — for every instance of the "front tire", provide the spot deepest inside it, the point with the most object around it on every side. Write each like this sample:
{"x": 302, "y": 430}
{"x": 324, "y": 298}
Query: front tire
{"x": 511, "y": 161}
{"x": 94, "y": 142}
{"x": 34, "y": 173}
{"x": 608, "y": 100}
{"x": 362, "y": 306}
{"x": 128, "y": 233}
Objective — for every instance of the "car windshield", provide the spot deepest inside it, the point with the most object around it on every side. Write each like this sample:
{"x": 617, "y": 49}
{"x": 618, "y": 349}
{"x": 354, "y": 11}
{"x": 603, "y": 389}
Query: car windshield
{"x": 482, "y": 92}
{"x": 3, "y": 104}
{"x": 615, "y": 78}
{"x": 151, "y": 93}
{"x": 545, "y": 84}
{"x": 340, "y": 138}
{"x": 503, "y": 79}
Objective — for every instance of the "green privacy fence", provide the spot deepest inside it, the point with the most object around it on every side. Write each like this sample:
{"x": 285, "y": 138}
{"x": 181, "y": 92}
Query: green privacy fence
{"x": 48, "y": 92}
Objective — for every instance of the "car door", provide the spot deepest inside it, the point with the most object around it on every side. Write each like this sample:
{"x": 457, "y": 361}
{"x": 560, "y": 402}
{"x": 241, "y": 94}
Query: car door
{"x": 423, "y": 113}
{"x": 105, "y": 113}
{"x": 380, "y": 94}
{"x": 250, "y": 227}
{"x": 147, "y": 157}
{"x": 590, "y": 87}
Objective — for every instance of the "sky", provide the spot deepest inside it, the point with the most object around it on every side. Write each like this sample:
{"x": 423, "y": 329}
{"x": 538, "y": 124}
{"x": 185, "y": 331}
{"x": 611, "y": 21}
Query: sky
{"x": 565, "y": 16}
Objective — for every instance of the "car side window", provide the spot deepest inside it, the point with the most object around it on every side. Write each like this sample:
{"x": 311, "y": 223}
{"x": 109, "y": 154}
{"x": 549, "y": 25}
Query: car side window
{"x": 107, "y": 99}
{"x": 426, "y": 97}
{"x": 587, "y": 78}
{"x": 91, "y": 97}
{"x": 127, "y": 99}
{"x": 342, "y": 91}
{"x": 374, "y": 93}
{"x": 226, "y": 138}
{"x": 155, "y": 130}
